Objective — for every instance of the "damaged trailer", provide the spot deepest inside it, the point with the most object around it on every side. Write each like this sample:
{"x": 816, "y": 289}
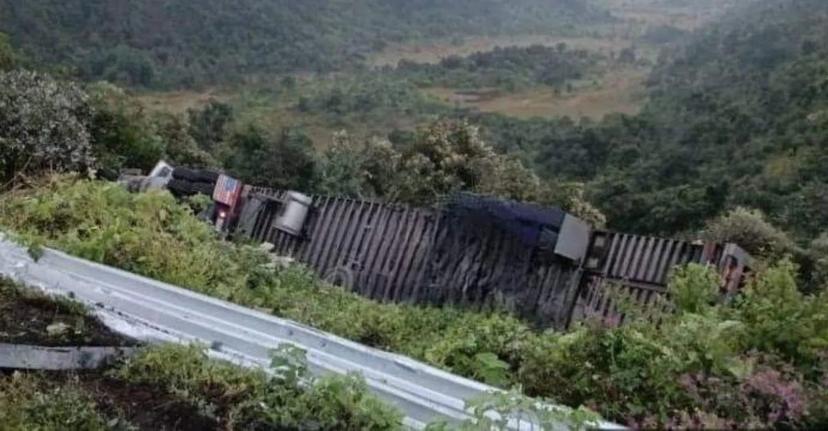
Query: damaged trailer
{"x": 481, "y": 252}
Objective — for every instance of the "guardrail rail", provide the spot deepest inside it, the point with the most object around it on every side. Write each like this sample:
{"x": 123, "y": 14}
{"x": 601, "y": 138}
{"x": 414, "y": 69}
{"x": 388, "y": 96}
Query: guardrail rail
{"x": 156, "y": 311}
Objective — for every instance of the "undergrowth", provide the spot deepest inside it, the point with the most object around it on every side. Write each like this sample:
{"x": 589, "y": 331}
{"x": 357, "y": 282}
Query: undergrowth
{"x": 756, "y": 360}
{"x": 252, "y": 399}
{"x": 236, "y": 398}
{"x": 153, "y": 235}
{"x": 27, "y": 404}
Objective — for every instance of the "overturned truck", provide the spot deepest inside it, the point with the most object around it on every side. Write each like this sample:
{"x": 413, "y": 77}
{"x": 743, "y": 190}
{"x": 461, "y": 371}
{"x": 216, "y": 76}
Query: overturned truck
{"x": 479, "y": 252}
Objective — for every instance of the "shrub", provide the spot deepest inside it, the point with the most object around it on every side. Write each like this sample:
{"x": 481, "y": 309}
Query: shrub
{"x": 745, "y": 364}
{"x": 750, "y": 229}
{"x": 780, "y": 319}
{"x": 284, "y": 162}
{"x": 43, "y": 125}
{"x": 756, "y": 360}
{"x": 25, "y": 404}
{"x": 818, "y": 256}
{"x": 253, "y": 399}
{"x": 123, "y": 134}
{"x": 152, "y": 235}
{"x": 7, "y": 56}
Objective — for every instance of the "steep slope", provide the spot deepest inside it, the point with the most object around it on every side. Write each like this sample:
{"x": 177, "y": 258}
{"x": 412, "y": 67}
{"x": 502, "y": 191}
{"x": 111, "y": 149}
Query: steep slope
{"x": 738, "y": 116}
{"x": 183, "y": 42}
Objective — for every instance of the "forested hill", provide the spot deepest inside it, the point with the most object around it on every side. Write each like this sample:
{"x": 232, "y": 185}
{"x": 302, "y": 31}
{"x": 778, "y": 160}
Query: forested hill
{"x": 738, "y": 116}
{"x": 184, "y": 42}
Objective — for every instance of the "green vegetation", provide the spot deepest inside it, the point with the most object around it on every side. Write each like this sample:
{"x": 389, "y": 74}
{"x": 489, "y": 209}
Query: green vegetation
{"x": 730, "y": 146}
{"x": 509, "y": 68}
{"x": 183, "y": 43}
{"x": 736, "y": 118}
{"x": 708, "y": 365}
{"x": 231, "y": 397}
{"x": 183, "y": 382}
{"x": 757, "y": 359}
{"x": 43, "y": 125}
{"x": 247, "y": 399}
{"x": 7, "y": 55}
{"x": 349, "y": 100}
{"x": 25, "y": 404}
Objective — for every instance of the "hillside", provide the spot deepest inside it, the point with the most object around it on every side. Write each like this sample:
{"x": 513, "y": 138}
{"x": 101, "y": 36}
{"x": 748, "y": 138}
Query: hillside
{"x": 183, "y": 43}
{"x": 737, "y": 116}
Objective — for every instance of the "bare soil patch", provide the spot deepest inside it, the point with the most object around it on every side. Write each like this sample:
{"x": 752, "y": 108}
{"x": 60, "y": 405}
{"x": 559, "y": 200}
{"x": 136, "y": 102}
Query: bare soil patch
{"x": 29, "y": 317}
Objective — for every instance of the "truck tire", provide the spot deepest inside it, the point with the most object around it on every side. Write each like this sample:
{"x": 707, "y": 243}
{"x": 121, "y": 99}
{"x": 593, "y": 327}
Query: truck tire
{"x": 203, "y": 188}
{"x": 206, "y": 176}
{"x": 185, "y": 174}
{"x": 180, "y": 187}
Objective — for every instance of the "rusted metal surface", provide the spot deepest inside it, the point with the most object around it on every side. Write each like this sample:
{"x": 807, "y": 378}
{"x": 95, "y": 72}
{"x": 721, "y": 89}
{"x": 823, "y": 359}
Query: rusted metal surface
{"x": 397, "y": 253}
{"x": 623, "y": 267}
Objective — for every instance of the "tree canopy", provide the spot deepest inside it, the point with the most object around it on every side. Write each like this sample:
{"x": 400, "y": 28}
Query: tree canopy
{"x": 188, "y": 42}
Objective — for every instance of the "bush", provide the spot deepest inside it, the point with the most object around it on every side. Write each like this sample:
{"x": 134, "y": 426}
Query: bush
{"x": 283, "y": 162}
{"x": 27, "y": 405}
{"x": 750, "y": 230}
{"x": 818, "y": 257}
{"x": 123, "y": 134}
{"x": 253, "y": 399}
{"x": 152, "y": 235}
{"x": 7, "y": 56}
{"x": 43, "y": 125}
{"x": 443, "y": 158}
{"x": 756, "y": 360}
{"x": 780, "y": 319}
{"x": 752, "y": 363}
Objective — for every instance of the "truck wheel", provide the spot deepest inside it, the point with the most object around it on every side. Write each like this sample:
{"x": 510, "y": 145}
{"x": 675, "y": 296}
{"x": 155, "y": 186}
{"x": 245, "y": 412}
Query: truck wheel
{"x": 203, "y": 188}
{"x": 185, "y": 174}
{"x": 180, "y": 187}
{"x": 206, "y": 176}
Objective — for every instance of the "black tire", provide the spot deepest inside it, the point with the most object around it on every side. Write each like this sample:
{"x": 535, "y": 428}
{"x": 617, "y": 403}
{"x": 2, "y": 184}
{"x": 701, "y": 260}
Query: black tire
{"x": 185, "y": 174}
{"x": 180, "y": 187}
{"x": 203, "y": 188}
{"x": 206, "y": 176}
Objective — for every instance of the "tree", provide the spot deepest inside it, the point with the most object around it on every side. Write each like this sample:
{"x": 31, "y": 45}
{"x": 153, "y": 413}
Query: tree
{"x": 751, "y": 231}
{"x": 122, "y": 132}
{"x": 208, "y": 126}
{"x": 286, "y": 162}
{"x": 179, "y": 146}
{"x": 358, "y": 169}
{"x": 43, "y": 125}
{"x": 7, "y": 57}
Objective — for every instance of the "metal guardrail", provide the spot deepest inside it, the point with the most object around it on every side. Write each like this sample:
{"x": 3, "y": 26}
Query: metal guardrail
{"x": 162, "y": 312}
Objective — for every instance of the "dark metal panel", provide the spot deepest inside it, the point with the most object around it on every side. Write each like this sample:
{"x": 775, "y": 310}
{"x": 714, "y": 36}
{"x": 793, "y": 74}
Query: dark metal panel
{"x": 335, "y": 255}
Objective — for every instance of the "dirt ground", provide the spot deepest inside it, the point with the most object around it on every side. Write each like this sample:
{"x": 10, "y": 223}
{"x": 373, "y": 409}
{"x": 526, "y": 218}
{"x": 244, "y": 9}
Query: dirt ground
{"x": 143, "y": 406}
{"x": 27, "y": 317}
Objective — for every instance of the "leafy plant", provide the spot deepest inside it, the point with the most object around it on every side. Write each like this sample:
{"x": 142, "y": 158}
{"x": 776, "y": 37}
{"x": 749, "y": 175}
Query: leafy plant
{"x": 691, "y": 367}
{"x": 43, "y": 125}
{"x": 25, "y": 405}
{"x": 513, "y": 410}
{"x": 250, "y": 399}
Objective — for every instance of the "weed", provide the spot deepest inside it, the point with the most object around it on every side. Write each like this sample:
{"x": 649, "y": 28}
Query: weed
{"x": 253, "y": 399}
{"x": 27, "y": 404}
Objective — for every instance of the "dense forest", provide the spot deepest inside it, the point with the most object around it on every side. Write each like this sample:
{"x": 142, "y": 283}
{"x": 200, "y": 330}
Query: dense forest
{"x": 508, "y": 68}
{"x": 184, "y": 43}
{"x": 727, "y": 141}
{"x": 737, "y": 117}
